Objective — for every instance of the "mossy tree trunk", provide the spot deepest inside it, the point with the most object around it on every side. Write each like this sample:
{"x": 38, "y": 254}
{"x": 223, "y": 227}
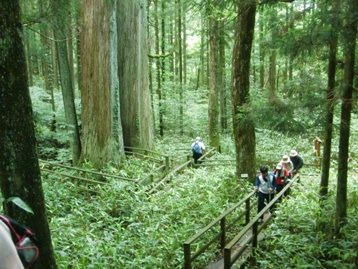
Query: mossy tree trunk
{"x": 19, "y": 168}
{"x": 59, "y": 27}
{"x": 101, "y": 119}
{"x": 213, "y": 107}
{"x": 133, "y": 74}
{"x": 244, "y": 130}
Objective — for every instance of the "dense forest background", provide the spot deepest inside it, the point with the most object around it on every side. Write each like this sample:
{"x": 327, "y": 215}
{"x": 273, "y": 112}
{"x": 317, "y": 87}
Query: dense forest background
{"x": 252, "y": 79}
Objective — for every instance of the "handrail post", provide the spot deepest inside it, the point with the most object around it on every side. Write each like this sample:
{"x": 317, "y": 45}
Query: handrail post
{"x": 223, "y": 233}
{"x": 227, "y": 258}
{"x": 254, "y": 243}
{"x": 247, "y": 215}
{"x": 187, "y": 256}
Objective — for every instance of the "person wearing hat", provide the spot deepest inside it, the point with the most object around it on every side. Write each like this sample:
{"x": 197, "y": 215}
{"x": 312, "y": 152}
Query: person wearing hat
{"x": 281, "y": 174}
{"x": 265, "y": 185}
{"x": 286, "y": 162}
{"x": 296, "y": 160}
{"x": 198, "y": 149}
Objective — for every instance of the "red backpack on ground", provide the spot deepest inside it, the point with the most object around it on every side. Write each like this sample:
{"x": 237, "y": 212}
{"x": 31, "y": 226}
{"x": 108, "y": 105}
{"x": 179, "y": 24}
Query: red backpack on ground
{"x": 24, "y": 241}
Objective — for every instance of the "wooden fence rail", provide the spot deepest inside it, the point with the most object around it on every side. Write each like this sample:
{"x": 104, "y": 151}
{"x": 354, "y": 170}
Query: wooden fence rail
{"x": 229, "y": 257}
{"x": 189, "y": 257}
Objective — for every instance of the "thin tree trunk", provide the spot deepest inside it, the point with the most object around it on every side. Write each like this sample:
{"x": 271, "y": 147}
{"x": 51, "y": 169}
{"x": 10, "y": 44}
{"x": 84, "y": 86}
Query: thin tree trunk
{"x": 213, "y": 107}
{"x": 272, "y": 73}
{"x": 70, "y": 58}
{"x": 349, "y": 40}
{"x": 66, "y": 81}
{"x": 221, "y": 78}
{"x": 54, "y": 65}
{"x": 262, "y": 56}
{"x": 180, "y": 59}
{"x": 19, "y": 168}
{"x": 163, "y": 38}
{"x": 158, "y": 69}
{"x": 332, "y": 64}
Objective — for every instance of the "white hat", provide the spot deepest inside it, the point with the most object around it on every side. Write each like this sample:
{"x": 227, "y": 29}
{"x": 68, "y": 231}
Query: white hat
{"x": 279, "y": 166}
{"x": 285, "y": 159}
{"x": 293, "y": 153}
{"x": 198, "y": 138}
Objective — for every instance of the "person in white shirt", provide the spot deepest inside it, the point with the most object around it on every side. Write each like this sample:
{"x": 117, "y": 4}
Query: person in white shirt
{"x": 9, "y": 259}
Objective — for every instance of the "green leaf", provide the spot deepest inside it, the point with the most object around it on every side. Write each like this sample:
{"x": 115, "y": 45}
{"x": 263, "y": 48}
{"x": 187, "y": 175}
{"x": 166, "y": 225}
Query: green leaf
{"x": 20, "y": 203}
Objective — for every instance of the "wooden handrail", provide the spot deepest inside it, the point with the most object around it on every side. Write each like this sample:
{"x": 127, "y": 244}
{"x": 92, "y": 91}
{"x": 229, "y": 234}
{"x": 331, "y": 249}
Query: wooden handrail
{"x": 89, "y": 171}
{"x": 189, "y": 257}
{"x": 253, "y": 224}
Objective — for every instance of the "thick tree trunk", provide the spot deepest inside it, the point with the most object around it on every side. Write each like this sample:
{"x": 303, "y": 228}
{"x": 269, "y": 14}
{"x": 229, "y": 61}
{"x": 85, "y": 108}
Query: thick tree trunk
{"x": 133, "y": 74}
{"x": 66, "y": 80}
{"x": 19, "y": 169}
{"x": 101, "y": 120}
{"x": 349, "y": 39}
{"x": 244, "y": 130}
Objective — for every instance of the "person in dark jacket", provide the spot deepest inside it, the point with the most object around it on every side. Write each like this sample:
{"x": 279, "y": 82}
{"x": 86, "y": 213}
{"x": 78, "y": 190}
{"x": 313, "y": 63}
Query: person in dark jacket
{"x": 296, "y": 160}
{"x": 198, "y": 149}
{"x": 265, "y": 186}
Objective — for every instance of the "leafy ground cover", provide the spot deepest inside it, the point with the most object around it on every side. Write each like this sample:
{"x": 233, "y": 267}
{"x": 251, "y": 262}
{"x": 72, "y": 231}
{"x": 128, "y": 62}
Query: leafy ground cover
{"x": 124, "y": 227}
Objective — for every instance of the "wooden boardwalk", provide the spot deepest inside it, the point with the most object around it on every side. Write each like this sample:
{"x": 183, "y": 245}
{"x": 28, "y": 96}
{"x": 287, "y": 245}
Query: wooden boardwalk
{"x": 219, "y": 263}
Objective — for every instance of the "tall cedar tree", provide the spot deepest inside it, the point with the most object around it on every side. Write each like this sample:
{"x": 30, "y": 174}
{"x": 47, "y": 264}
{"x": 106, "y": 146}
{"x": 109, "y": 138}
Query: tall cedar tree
{"x": 244, "y": 130}
{"x": 133, "y": 69}
{"x": 101, "y": 121}
{"x": 332, "y": 64}
{"x": 349, "y": 39}
{"x": 19, "y": 168}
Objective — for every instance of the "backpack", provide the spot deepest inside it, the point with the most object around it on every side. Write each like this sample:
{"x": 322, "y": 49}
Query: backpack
{"x": 196, "y": 148}
{"x": 24, "y": 241}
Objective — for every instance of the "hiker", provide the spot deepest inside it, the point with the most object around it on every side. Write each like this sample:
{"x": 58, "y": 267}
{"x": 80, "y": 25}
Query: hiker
{"x": 265, "y": 186}
{"x": 286, "y": 162}
{"x": 296, "y": 160}
{"x": 198, "y": 149}
{"x": 9, "y": 259}
{"x": 281, "y": 175}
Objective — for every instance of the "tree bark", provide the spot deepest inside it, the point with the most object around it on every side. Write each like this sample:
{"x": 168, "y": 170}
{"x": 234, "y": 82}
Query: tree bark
{"x": 349, "y": 40}
{"x": 133, "y": 74}
{"x": 101, "y": 118}
{"x": 213, "y": 107}
{"x": 244, "y": 130}
{"x": 59, "y": 27}
{"x": 19, "y": 168}
{"x": 332, "y": 64}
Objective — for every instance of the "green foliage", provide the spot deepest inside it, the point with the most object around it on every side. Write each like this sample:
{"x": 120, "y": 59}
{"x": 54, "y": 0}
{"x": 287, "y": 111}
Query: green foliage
{"x": 301, "y": 235}
{"x": 19, "y": 202}
{"x": 50, "y": 126}
{"x": 126, "y": 228}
